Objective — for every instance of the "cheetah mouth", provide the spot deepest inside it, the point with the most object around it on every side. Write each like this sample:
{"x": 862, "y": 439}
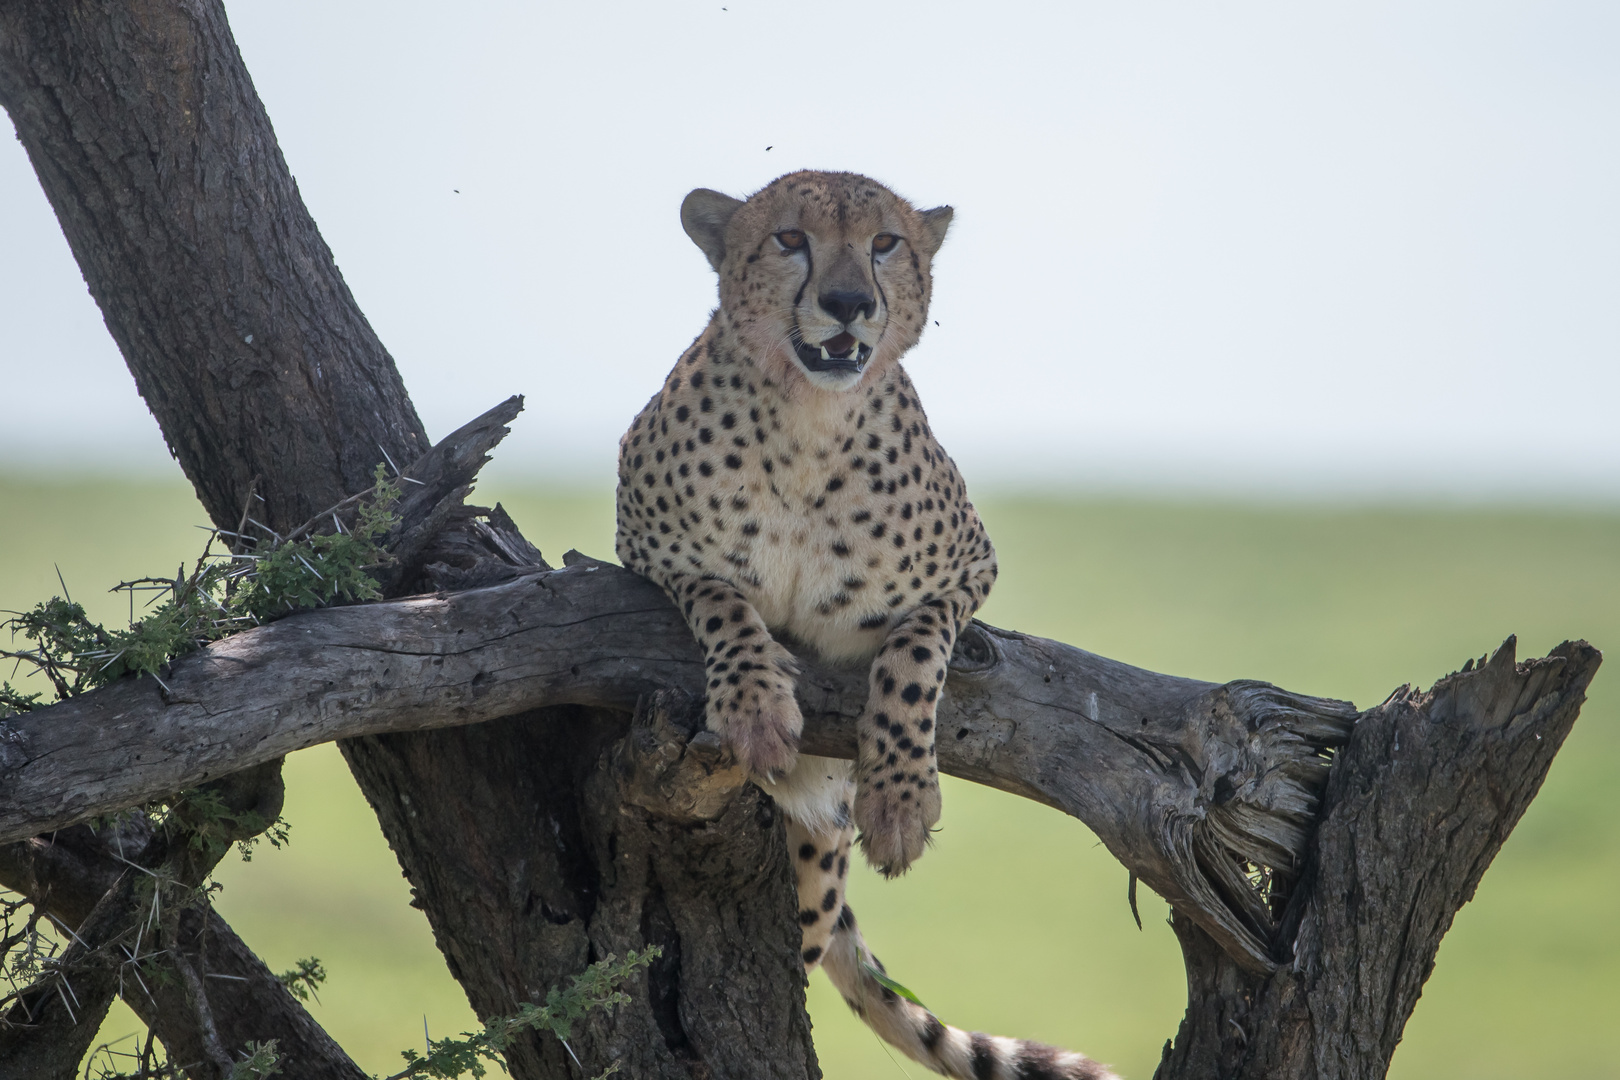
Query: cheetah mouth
{"x": 840, "y": 354}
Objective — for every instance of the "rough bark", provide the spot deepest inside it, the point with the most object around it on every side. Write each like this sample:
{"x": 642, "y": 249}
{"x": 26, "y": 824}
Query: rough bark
{"x": 625, "y": 866}
{"x": 207, "y": 995}
{"x": 179, "y": 967}
{"x": 49, "y": 1028}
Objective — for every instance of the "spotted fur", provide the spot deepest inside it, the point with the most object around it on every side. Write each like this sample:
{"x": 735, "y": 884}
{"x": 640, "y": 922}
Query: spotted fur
{"x": 784, "y": 484}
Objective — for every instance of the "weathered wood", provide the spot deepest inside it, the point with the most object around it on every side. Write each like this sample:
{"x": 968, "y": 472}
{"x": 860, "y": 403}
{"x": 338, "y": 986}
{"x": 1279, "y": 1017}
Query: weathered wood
{"x": 433, "y": 500}
{"x": 204, "y": 970}
{"x": 1164, "y": 770}
{"x": 1418, "y": 804}
{"x": 1152, "y": 758}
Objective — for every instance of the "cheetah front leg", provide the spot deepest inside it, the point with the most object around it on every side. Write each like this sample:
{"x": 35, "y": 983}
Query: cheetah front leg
{"x": 896, "y": 773}
{"x": 750, "y": 702}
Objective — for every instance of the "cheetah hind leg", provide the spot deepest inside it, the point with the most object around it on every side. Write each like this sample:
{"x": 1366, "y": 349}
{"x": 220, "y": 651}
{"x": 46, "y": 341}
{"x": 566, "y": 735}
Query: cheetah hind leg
{"x": 820, "y": 869}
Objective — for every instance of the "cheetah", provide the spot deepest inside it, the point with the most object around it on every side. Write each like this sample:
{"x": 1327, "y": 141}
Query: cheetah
{"x": 784, "y": 488}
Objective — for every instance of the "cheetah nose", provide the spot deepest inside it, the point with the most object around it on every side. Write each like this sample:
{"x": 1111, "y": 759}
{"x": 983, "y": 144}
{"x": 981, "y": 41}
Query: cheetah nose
{"x": 844, "y": 304}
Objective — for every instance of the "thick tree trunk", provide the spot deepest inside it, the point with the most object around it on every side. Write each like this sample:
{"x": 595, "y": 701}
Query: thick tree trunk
{"x": 157, "y": 155}
{"x": 709, "y": 887}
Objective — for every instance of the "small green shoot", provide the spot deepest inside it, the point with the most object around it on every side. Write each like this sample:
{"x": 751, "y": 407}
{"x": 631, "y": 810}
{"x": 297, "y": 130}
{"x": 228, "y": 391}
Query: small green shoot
{"x": 889, "y": 984}
{"x": 261, "y": 1063}
{"x": 304, "y": 979}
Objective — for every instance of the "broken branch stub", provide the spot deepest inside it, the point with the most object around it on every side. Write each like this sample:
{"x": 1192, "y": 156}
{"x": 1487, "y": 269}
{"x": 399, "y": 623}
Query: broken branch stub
{"x": 669, "y": 765}
{"x": 1417, "y": 804}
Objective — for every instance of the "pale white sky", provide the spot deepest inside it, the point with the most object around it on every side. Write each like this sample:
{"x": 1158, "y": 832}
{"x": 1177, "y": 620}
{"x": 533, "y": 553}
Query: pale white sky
{"x": 1328, "y": 248}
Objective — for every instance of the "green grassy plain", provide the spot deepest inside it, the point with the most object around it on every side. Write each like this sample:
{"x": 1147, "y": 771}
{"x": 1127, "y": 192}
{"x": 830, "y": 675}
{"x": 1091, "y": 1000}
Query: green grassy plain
{"x": 1017, "y": 922}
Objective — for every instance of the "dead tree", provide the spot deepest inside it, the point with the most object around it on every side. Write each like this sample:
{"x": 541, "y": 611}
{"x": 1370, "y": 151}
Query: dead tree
{"x": 526, "y": 735}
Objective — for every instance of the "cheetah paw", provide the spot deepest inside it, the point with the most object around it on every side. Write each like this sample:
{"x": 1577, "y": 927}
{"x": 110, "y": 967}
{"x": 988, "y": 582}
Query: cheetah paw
{"x": 762, "y": 733}
{"x": 895, "y": 824}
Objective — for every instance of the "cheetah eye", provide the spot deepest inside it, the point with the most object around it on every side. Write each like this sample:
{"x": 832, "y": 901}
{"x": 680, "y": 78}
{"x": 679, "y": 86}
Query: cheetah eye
{"x": 884, "y": 242}
{"x": 791, "y": 239}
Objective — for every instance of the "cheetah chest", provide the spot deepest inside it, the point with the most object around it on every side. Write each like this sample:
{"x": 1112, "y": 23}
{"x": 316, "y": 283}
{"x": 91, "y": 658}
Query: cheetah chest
{"x": 797, "y": 551}
{"x": 830, "y": 553}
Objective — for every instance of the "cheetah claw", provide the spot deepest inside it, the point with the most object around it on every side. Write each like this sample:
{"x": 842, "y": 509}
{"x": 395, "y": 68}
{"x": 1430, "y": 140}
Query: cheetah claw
{"x": 895, "y": 831}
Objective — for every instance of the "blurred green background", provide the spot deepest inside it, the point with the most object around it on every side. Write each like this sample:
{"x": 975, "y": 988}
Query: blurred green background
{"x": 1016, "y": 922}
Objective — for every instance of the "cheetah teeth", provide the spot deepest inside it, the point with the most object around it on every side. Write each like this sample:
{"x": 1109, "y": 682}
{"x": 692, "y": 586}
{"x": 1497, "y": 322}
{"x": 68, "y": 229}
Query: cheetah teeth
{"x": 821, "y": 358}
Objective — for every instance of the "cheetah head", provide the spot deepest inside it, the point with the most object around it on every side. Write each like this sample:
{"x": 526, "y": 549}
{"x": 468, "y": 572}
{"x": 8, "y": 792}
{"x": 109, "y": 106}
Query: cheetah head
{"x": 825, "y": 276}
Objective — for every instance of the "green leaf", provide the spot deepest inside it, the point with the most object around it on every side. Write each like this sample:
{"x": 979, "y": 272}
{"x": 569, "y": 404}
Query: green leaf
{"x": 889, "y": 984}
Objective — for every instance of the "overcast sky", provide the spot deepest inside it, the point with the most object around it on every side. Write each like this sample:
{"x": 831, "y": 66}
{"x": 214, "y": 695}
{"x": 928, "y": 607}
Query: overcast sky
{"x": 1324, "y": 248}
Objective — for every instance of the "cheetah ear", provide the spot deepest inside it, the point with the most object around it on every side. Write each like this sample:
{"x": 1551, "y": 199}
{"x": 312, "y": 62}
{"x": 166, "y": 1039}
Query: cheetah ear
{"x": 705, "y": 215}
{"x": 935, "y": 222}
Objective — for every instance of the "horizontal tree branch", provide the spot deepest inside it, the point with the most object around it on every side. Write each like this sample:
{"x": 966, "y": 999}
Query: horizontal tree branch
{"x": 1169, "y": 772}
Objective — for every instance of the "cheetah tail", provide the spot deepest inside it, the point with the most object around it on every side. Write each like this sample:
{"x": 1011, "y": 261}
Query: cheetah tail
{"x": 918, "y": 1034}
